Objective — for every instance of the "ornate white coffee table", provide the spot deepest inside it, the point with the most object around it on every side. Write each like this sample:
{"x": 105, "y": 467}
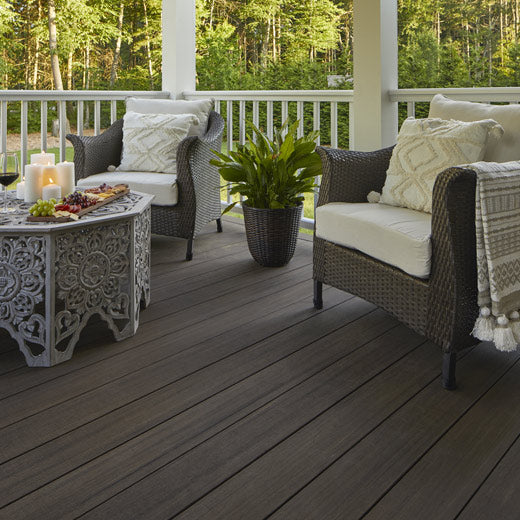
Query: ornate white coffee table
{"x": 54, "y": 277}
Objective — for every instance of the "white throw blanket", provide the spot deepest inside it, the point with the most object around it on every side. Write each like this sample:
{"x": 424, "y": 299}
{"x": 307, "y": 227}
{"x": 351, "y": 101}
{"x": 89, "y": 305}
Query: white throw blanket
{"x": 498, "y": 253}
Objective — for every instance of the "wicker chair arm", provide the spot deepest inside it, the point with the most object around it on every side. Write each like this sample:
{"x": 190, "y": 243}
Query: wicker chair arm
{"x": 197, "y": 180}
{"x": 453, "y": 279}
{"x": 349, "y": 176}
{"x": 93, "y": 154}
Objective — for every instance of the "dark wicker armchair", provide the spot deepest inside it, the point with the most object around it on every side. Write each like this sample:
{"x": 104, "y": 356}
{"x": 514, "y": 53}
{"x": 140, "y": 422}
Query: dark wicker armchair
{"x": 197, "y": 181}
{"x": 443, "y": 308}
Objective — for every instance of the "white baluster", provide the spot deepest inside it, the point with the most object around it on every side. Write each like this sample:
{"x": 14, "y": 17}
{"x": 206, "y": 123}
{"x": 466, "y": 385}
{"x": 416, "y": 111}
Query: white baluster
{"x": 256, "y": 116}
{"x": 113, "y": 111}
{"x": 23, "y": 136}
{"x": 3, "y": 126}
{"x": 63, "y": 129}
{"x": 299, "y": 116}
{"x": 229, "y": 126}
{"x": 97, "y": 117}
{"x": 410, "y": 107}
{"x": 270, "y": 130}
{"x": 351, "y": 144}
{"x": 242, "y": 122}
{"x": 43, "y": 125}
{"x": 316, "y": 117}
{"x": 79, "y": 117}
{"x": 333, "y": 124}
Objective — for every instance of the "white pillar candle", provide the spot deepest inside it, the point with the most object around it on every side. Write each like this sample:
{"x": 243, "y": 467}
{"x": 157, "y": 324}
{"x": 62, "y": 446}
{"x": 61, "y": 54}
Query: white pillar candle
{"x": 51, "y": 191}
{"x": 43, "y": 158}
{"x": 49, "y": 172}
{"x": 66, "y": 177}
{"x": 20, "y": 190}
{"x": 33, "y": 182}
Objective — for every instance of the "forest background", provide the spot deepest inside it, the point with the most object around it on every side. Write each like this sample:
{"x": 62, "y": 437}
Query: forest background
{"x": 250, "y": 44}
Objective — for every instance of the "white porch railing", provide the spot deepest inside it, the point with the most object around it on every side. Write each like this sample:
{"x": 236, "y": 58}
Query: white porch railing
{"x": 485, "y": 94}
{"x": 61, "y": 98}
{"x": 314, "y": 109}
{"x": 329, "y": 111}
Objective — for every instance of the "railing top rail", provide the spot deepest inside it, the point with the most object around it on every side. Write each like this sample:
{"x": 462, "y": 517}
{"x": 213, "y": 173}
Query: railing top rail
{"x": 503, "y": 94}
{"x": 272, "y": 95}
{"x": 78, "y": 95}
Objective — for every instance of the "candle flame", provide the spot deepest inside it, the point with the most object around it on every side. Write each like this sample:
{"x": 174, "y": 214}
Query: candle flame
{"x": 50, "y": 181}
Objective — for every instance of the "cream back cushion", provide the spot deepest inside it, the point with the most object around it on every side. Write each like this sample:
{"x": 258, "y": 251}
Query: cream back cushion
{"x": 426, "y": 147}
{"x": 200, "y": 108}
{"x": 150, "y": 141}
{"x": 503, "y": 150}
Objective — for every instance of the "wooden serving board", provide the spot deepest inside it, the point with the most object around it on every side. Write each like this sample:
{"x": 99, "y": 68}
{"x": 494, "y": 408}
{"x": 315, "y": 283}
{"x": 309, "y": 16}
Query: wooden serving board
{"x": 84, "y": 211}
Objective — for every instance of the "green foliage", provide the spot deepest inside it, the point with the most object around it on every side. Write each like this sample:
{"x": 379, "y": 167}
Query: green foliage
{"x": 272, "y": 173}
{"x": 254, "y": 45}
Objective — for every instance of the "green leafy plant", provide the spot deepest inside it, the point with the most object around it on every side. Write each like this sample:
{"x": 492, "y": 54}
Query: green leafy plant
{"x": 272, "y": 173}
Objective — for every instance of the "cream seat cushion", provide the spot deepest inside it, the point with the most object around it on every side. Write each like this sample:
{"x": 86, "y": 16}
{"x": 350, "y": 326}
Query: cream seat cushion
{"x": 505, "y": 149}
{"x": 396, "y": 236}
{"x": 200, "y": 108}
{"x": 162, "y": 185}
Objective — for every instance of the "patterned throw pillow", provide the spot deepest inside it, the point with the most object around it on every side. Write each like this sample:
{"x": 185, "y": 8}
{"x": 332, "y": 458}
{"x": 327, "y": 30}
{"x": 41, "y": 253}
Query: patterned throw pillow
{"x": 150, "y": 141}
{"x": 426, "y": 147}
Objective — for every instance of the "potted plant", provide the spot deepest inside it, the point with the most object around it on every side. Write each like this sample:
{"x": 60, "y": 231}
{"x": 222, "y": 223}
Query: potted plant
{"x": 272, "y": 176}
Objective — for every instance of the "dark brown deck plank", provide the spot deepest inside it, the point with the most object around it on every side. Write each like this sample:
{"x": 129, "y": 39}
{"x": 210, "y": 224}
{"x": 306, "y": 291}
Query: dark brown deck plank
{"x": 368, "y": 469}
{"x": 242, "y": 404}
{"x": 446, "y": 477}
{"x": 170, "y": 439}
{"x": 499, "y": 496}
{"x": 167, "y": 273}
{"x": 177, "y": 485}
{"x": 251, "y": 353}
{"x": 224, "y": 310}
{"x": 114, "y": 383}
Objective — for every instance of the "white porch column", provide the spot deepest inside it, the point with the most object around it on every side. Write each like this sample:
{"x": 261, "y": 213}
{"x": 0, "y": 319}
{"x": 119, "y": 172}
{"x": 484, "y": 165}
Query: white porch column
{"x": 375, "y": 73}
{"x": 178, "y": 46}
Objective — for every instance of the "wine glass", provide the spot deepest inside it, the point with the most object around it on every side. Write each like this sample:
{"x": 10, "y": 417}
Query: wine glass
{"x": 9, "y": 172}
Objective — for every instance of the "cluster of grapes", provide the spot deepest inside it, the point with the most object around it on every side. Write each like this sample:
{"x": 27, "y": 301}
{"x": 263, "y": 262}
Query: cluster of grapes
{"x": 79, "y": 199}
{"x": 43, "y": 208}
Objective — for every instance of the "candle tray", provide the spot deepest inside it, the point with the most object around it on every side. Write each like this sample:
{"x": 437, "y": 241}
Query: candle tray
{"x": 84, "y": 211}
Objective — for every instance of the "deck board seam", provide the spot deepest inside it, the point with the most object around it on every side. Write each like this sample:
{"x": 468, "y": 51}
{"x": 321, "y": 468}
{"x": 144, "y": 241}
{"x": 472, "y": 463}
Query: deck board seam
{"x": 176, "y": 331}
{"x": 439, "y": 438}
{"x": 263, "y": 406}
{"x": 246, "y": 347}
{"x": 433, "y": 380}
{"x": 198, "y": 403}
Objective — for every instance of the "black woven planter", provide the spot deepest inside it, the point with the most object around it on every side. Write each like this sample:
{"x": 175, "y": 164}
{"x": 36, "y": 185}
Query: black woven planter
{"x": 272, "y": 234}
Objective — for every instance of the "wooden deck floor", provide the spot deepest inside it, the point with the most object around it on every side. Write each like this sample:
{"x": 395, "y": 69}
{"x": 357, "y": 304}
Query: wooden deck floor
{"x": 237, "y": 400}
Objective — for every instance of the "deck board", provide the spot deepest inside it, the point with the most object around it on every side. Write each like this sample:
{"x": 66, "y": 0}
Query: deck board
{"x": 236, "y": 399}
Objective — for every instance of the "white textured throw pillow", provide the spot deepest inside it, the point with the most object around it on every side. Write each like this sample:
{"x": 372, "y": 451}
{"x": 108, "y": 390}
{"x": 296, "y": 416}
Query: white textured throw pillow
{"x": 505, "y": 149}
{"x": 426, "y": 147}
{"x": 200, "y": 108}
{"x": 150, "y": 141}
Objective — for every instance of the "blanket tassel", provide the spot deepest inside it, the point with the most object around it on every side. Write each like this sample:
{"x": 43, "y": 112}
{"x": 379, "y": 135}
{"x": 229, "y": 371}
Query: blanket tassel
{"x": 504, "y": 338}
{"x": 514, "y": 319}
{"x": 484, "y": 326}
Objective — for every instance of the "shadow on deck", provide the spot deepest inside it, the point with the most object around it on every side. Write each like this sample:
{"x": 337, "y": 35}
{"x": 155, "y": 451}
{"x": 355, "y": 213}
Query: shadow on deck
{"x": 237, "y": 400}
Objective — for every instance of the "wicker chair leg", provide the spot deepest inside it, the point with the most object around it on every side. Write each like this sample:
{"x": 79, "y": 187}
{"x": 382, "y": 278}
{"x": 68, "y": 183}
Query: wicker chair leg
{"x": 189, "y": 249}
{"x": 318, "y": 295}
{"x": 449, "y": 363}
{"x": 219, "y": 225}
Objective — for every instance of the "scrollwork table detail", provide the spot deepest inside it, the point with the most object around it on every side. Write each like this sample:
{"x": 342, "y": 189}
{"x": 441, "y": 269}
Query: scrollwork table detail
{"x": 54, "y": 277}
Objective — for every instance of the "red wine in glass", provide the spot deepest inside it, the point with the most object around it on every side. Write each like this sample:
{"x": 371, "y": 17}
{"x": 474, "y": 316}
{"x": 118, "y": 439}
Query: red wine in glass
{"x": 8, "y": 174}
{"x": 7, "y": 178}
